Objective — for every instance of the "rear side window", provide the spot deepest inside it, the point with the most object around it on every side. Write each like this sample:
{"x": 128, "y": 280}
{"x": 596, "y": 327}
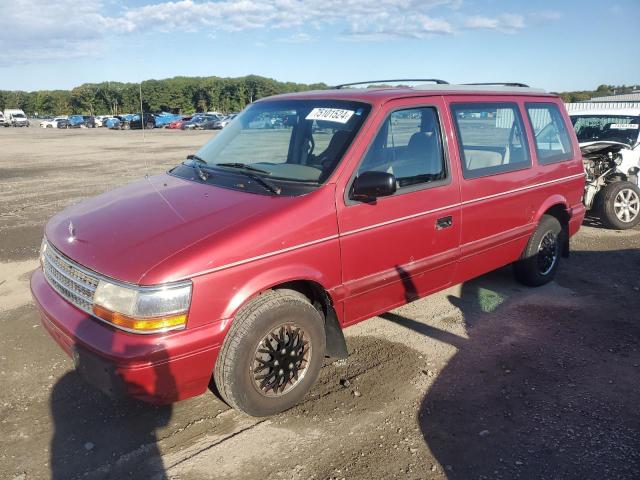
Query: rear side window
{"x": 553, "y": 143}
{"x": 408, "y": 145}
{"x": 491, "y": 138}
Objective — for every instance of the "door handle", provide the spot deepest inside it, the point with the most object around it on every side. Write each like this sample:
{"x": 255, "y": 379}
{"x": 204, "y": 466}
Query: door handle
{"x": 444, "y": 222}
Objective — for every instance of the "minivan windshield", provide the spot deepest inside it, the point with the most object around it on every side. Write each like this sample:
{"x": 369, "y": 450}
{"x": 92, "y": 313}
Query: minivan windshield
{"x": 607, "y": 128}
{"x": 287, "y": 140}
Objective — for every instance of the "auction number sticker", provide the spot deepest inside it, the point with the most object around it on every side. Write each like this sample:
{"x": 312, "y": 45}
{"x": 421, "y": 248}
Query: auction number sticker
{"x": 624, "y": 126}
{"x": 330, "y": 115}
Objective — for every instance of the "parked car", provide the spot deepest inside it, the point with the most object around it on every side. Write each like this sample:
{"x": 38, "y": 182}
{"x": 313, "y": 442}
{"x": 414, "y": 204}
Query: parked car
{"x": 82, "y": 121}
{"x": 197, "y": 122}
{"x": 211, "y": 122}
{"x": 119, "y": 122}
{"x": 99, "y": 120}
{"x": 610, "y": 144}
{"x": 149, "y": 122}
{"x": 16, "y": 118}
{"x": 163, "y": 119}
{"x": 245, "y": 262}
{"x": 63, "y": 123}
{"x": 226, "y": 120}
{"x": 177, "y": 124}
{"x": 53, "y": 123}
{"x": 3, "y": 122}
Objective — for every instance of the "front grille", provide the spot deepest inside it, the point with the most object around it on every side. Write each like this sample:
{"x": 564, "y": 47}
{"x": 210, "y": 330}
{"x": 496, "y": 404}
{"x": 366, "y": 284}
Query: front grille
{"x": 69, "y": 279}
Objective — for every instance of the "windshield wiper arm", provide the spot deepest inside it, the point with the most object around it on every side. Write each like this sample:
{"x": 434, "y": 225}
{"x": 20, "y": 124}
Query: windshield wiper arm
{"x": 247, "y": 169}
{"x": 242, "y": 166}
{"x": 196, "y": 161}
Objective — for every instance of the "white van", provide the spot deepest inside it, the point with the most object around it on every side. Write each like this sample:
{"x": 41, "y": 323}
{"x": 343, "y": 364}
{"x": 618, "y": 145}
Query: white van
{"x": 16, "y": 118}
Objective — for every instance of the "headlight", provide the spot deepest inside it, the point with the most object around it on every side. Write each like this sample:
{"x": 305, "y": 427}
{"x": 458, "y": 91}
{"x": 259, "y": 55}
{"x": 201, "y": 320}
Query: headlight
{"x": 143, "y": 309}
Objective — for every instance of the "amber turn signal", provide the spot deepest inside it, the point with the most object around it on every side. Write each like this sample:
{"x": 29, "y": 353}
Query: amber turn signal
{"x": 140, "y": 324}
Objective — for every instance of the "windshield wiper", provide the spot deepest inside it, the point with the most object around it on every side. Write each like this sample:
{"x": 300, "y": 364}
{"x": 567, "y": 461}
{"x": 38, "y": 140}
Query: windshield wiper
{"x": 196, "y": 161}
{"x": 242, "y": 166}
{"x": 247, "y": 169}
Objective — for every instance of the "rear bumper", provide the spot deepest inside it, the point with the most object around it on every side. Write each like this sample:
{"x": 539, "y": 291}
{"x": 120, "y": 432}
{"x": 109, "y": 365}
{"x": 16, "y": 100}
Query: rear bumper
{"x": 158, "y": 369}
{"x": 576, "y": 217}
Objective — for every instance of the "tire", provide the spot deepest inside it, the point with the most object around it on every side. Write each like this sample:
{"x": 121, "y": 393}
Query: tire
{"x": 238, "y": 363}
{"x": 540, "y": 259}
{"x": 619, "y": 205}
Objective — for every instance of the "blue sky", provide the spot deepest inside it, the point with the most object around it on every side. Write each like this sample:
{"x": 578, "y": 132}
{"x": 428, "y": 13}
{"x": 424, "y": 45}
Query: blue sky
{"x": 557, "y": 45}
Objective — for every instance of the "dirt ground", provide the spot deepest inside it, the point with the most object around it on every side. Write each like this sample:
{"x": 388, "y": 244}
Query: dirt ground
{"x": 488, "y": 379}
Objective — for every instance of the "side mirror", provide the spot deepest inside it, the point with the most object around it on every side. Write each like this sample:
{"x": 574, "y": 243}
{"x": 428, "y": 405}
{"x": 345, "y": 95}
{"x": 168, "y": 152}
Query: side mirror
{"x": 370, "y": 185}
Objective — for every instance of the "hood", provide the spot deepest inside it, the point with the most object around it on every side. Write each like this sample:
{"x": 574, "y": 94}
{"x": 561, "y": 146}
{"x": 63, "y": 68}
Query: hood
{"x": 126, "y": 232}
{"x": 602, "y": 147}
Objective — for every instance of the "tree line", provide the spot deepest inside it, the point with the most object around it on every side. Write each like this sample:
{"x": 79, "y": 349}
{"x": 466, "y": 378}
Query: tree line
{"x": 176, "y": 95}
{"x": 601, "y": 91}
{"x": 186, "y": 95}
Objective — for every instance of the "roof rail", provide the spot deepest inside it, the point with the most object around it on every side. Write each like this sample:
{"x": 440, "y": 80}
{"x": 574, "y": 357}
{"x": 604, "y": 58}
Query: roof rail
{"x": 434, "y": 80}
{"x": 504, "y": 84}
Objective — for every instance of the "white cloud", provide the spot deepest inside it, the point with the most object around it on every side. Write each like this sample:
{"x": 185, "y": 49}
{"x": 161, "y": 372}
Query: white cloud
{"x": 37, "y": 30}
{"x": 32, "y": 31}
{"x": 545, "y": 15}
{"x": 506, "y": 22}
{"x": 299, "y": 37}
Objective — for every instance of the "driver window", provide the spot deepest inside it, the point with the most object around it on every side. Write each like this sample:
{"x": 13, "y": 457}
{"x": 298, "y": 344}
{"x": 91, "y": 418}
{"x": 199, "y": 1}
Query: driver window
{"x": 408, "y": 146}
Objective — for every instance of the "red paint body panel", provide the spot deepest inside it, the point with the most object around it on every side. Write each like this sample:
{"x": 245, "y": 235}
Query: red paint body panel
{"x": 232, "y": 245}
{"x": 154, "y": 368}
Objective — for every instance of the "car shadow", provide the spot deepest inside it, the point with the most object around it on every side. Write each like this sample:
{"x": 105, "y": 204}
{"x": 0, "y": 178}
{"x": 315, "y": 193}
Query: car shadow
{"x": 96, "y": 436}
{"x": 545, "y": 383}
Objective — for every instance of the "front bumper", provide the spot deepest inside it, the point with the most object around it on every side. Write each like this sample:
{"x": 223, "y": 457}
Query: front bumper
{"x": 159, "y": 369}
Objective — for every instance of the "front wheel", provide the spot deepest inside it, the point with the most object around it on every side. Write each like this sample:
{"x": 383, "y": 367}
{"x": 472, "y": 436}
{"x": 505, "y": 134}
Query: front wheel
{"x": 620, "y": 205}
{"x": 540, "y": 258}
{"x": 272, "y": 354}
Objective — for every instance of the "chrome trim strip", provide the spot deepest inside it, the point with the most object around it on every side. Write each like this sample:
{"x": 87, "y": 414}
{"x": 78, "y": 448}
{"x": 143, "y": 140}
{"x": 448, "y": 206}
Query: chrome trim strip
{"x": 369, "y": 227}
{"x": 397, "y": 220}
{"x": 454, "y": 205}
{"x": 528, "y": 187}
{"x": 260, "y": 257}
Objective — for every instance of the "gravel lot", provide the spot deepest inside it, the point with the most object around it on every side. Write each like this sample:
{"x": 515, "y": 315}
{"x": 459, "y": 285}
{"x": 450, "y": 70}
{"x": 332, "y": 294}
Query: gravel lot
{"x": 488, "y": 379}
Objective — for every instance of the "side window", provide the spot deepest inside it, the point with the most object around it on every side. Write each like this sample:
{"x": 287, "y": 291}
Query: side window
{"x": 553, "y": 143}
{"x": 491, "y": 138}
{"x": 408, "y": 146}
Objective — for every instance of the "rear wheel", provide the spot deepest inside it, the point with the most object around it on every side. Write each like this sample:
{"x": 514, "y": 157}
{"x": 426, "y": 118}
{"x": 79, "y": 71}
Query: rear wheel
{"x": 540, "y": 258}
{"x": 272, "y": 354}
{"x": 619, "y": 206}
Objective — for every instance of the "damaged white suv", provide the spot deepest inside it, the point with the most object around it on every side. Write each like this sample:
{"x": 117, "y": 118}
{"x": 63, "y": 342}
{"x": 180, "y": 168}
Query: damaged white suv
{"x": 610, "y": 144}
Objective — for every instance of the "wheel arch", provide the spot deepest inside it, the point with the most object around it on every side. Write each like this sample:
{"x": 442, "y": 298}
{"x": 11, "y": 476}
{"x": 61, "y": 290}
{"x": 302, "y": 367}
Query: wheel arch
{"x": 556, "y": 206}
{"x": 311, "y": 286}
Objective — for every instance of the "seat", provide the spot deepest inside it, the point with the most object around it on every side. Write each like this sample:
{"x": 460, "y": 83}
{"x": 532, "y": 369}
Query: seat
{"x": 421, "y": 157}
{"x": 328, "y": 159}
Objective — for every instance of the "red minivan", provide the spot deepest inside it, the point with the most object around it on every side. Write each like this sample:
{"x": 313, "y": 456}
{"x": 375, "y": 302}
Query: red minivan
{"x": 308, "y": 213}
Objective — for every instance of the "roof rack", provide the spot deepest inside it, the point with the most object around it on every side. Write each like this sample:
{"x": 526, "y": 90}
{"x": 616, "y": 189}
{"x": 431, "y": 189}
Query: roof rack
{"x": 504, "y": 84}
{"x": 519, "y": 88}
{"x": 434, "y": 80}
